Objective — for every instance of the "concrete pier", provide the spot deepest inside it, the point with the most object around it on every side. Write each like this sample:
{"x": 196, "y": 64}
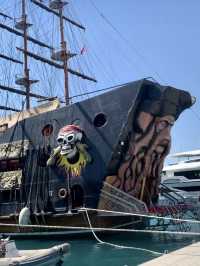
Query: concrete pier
{"x": 187, "y": 256}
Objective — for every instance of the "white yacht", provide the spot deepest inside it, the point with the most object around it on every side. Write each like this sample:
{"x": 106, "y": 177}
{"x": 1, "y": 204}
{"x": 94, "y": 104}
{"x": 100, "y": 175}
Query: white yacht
{"x": 179, "y": 195}
{"x": 185, "y": 174}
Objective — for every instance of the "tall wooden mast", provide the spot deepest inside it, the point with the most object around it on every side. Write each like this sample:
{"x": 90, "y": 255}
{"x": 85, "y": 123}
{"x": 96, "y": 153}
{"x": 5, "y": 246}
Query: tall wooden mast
{"x": 26, "y": 70}
{"x": 21, "y": 30}
{"x": 65, "y": 56}
{"x": 59, "y": 57}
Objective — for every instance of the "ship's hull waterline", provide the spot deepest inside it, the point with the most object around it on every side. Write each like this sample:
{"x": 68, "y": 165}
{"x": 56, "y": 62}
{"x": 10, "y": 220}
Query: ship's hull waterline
{"x": 67, "y": 225}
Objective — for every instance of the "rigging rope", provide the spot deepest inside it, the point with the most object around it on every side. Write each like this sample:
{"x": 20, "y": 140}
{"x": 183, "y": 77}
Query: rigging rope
{"x": 116, "y": 229}
{"x": 195, "y": 113}
{"x": 105, "y": 89}
{"x": 117, "y": 246}
{"x": 8, "y": 149}
{"x": 126, "y": 41}
{"x": 33, "y": 174}
{"x": 145, "y": 215}
{"x": 100, "y": 229}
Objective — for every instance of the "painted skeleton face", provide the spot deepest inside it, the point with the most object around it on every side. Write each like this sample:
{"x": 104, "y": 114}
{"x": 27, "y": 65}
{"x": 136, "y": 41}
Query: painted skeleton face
{"x": 67, "y": 140}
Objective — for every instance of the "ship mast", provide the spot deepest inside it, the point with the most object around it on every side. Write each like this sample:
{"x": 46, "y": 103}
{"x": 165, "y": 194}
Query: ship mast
{"x": 59, "y": 58}
{"x": 26, "y": 70}
{"x": 63, "y": 55}
{"x": 19, "y": 81}
{"x": 64, "y": 51}
{"x": 23, "y": 26}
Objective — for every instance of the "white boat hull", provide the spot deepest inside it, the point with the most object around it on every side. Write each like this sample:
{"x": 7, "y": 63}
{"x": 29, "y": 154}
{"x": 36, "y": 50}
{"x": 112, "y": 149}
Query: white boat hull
{"x": 43, "y": 257}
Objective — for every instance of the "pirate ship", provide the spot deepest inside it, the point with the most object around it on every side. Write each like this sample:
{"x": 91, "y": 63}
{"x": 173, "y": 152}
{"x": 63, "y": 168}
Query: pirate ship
{"x": 103, "y": 153}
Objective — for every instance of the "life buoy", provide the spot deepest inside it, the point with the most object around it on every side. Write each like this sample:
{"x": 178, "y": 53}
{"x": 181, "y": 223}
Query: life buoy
{"x": 62, "y": 193}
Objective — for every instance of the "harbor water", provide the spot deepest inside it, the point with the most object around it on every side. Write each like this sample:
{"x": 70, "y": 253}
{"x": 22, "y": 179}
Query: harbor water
{"x": 89, "y": 252}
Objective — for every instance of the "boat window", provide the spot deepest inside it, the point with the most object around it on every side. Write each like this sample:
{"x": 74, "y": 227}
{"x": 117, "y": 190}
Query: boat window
{"x": 5, "y": 195}
{"x": 3, "y": 127}
{"x": 193, "y": 161}
{"x": 100, "y": 120}
{"x": 163, "y": 173}
{"x": 171, "y": 180}
{"x": 47, "y": 130}
{"x": 189, "y": 174}
{"x": 10, "y": 165}
{"x": 8, "y": 195}
{"x": 3, "y": 165}
{"x": 191, "y": 188}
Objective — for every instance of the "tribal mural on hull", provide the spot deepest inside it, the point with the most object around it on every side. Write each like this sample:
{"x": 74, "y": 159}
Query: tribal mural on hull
{"x": 138, "y": 169}
{"x": 71, "y": 154}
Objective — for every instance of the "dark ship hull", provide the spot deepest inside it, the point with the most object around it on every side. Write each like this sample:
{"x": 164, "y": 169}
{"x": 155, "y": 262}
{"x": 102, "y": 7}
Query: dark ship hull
{"x": 65, "y": 225}
{"x": 51, "y": 170}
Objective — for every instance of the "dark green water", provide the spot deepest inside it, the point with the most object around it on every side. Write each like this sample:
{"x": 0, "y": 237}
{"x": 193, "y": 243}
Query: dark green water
{"x": 90, "y": 253}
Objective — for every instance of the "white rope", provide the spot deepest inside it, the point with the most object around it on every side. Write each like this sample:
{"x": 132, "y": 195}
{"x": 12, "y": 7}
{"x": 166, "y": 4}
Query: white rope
{"x": 144, "y": 215}
{"x": 115, "y": 229}
{"x": 100, "y": 229}
{"x": 135, "y": 248}
{"x": 117, "y": 246}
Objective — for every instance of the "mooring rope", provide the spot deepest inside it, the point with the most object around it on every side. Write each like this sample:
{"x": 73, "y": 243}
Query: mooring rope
{"x": 98, "y": 229}
{"x": 114, "y": 245}
{"x": 116, "y": 228}
{"x": 144, "y": 215}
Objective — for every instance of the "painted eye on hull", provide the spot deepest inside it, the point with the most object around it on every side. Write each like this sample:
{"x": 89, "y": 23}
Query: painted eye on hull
{"x": 70, "y": 138}
{"x": 60, "y": 140}
{"x": 162, "y": 125}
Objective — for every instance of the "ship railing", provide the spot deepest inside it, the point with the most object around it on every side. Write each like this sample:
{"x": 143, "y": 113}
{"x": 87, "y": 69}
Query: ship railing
{"x": 167, "y": 192}
{"x": 118, "y": 199}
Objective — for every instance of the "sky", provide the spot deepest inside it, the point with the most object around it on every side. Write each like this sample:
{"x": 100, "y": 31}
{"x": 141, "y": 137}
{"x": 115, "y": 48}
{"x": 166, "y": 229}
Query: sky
{"x": 163, "y": 40}
{"x": 126, "y": 40}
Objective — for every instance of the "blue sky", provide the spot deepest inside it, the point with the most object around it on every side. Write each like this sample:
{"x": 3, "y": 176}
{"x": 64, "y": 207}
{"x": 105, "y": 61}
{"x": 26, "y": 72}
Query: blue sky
{"x": 165, "y": 38}
{"x": 160, "y": 39}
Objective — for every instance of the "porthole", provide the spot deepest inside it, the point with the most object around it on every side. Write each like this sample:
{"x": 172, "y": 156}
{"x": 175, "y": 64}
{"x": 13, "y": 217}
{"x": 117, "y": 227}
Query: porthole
{"x": 100, "y": 120}
{"x": 62, "y": 193}
{"x": 47, "y": 130}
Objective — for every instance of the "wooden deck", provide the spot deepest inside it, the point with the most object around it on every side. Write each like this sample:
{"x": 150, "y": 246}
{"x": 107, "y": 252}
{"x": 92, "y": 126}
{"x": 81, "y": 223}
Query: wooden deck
{"x": 187, "y": 256}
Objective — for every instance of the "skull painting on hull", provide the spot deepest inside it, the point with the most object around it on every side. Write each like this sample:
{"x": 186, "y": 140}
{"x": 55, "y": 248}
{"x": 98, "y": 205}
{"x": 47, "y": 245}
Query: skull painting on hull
{"x": 67, "y": 138}
{"x": 71, "y": 154}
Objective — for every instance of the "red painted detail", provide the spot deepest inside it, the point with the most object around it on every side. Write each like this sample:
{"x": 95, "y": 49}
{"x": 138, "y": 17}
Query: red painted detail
{"x": 69, "y": 128}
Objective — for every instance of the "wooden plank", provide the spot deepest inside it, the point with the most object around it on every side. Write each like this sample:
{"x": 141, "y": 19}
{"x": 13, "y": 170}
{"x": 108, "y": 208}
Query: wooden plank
{"x": 187, "y": 256}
